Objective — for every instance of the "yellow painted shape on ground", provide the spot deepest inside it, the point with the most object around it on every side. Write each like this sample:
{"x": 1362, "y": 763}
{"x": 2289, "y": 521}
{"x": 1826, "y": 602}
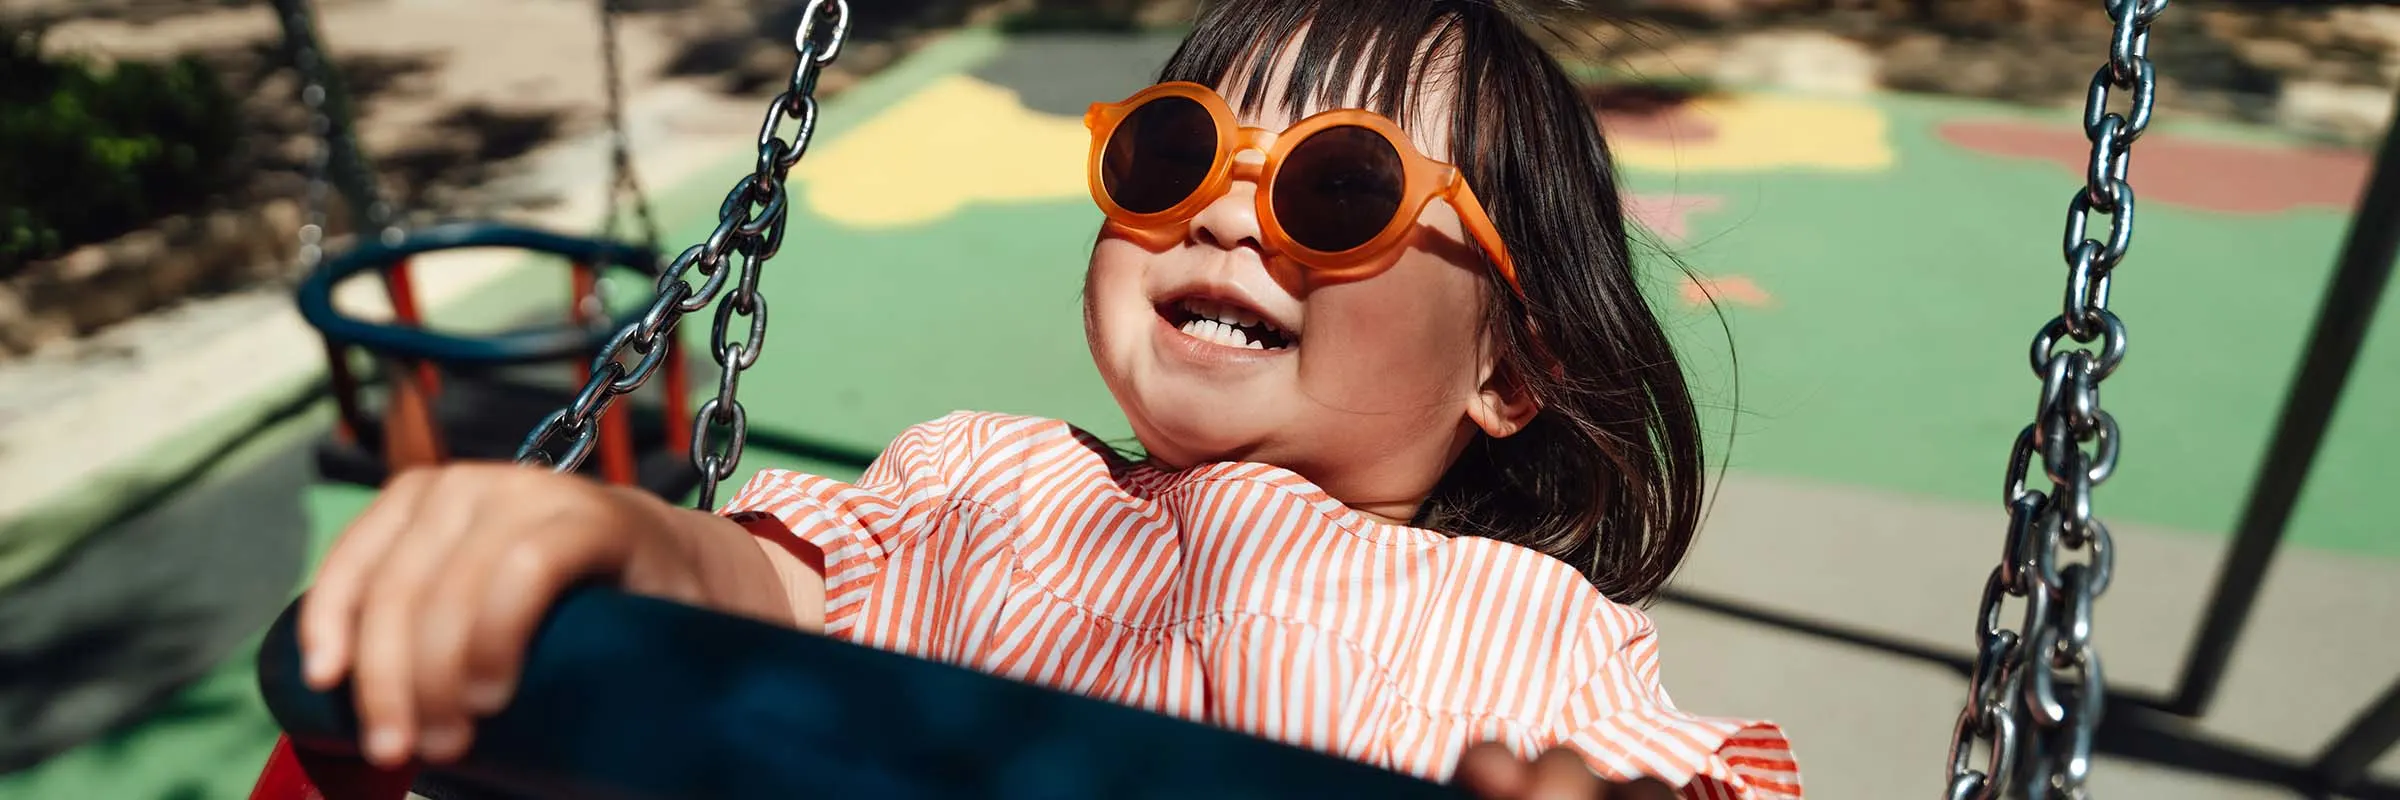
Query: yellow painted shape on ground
{"x": 1760, "y": 132}
{"x": 958, "y": 141}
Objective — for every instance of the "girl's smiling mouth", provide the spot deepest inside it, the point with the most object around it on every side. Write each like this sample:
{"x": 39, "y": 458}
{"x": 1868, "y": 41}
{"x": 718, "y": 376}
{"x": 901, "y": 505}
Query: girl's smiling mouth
{"x": 1224, "y": 323}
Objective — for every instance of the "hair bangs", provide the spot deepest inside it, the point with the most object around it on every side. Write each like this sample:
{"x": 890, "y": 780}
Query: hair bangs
{"x": 1370, "y": 54}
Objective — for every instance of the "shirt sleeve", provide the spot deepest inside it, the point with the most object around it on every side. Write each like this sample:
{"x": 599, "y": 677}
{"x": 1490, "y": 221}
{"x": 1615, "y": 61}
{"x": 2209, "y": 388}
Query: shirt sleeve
{"x": 857, "y": 528}
{"x": 1621, "y": 720}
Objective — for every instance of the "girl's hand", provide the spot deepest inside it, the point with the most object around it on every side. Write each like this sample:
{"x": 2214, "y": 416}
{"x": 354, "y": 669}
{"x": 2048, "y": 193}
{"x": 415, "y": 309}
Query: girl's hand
{"x": 430, "y": 596}
{"x": 1492, "y": 772}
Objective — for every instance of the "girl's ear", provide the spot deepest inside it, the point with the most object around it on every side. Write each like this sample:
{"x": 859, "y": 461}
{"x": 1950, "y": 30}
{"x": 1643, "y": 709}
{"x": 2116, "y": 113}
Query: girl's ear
{"x": 1503, "y": 405}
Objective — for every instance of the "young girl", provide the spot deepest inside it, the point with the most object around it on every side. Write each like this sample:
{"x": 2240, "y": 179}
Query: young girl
{"x": 1415, "y": 442}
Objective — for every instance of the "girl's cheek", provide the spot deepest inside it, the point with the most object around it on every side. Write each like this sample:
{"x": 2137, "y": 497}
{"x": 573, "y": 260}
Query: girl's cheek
{"x": 1116, "y": 263}
{"x": 1409, "y": 337}
{"x": 1383, "y": 357}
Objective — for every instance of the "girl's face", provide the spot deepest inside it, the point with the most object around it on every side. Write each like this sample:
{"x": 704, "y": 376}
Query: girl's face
{"x": 1380, "y": 382}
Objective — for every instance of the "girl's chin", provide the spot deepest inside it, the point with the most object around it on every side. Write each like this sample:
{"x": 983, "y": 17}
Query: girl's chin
{"x": 1181, "y": 435}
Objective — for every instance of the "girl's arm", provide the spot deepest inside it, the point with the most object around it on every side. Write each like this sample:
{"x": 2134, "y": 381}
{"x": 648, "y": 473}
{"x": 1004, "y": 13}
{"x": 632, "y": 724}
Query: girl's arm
{"x": 743, "y": 569}
{"x": 796, "y": 567}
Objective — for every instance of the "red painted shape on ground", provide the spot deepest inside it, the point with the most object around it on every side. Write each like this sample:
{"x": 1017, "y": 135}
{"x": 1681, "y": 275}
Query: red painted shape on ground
{"x": 2211, "y": 176}
{"x": 1735, "y": 289}
{"x": 1668, "y": 215}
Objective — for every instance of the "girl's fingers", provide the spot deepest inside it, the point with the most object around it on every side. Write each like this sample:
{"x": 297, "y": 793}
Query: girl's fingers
{"x": 448, "y": 608}
{"x": 523, "y": 576}
{"x": 386, "y": 687}
{"x": 1491, "y": 772}
{"x": 491, "y": 568}
{"x": 1561, "y": 774}
{"x": 454, "y": 689}
{"x": 328, "y": 621}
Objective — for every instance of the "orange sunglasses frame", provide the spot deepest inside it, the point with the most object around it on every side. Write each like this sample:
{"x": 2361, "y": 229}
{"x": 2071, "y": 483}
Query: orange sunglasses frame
{"x": 1423, "y": 179}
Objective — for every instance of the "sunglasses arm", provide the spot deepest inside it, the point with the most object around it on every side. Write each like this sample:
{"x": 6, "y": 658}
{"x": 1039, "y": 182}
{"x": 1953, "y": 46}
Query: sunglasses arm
{"x": 1478, "y": 223}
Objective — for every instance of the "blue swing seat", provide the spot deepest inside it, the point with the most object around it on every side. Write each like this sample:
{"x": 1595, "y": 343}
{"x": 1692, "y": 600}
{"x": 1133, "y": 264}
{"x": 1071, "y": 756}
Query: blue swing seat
{"x": 637, "y": 698}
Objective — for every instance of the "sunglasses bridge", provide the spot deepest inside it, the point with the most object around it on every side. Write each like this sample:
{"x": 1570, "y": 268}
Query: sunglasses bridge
{"x": 1251, "y": 140}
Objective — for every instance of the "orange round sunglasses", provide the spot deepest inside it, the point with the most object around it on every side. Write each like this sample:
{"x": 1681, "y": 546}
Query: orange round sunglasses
{"x": 1337, "y": 191}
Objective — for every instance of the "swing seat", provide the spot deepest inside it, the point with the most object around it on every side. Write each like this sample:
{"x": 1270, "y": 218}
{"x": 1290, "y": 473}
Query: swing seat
{"x": 487, "y": 395}
{"x": 635, "y": 698}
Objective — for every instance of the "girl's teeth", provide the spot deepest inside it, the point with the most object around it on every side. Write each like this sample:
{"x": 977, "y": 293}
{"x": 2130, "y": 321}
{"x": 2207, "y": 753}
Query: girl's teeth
{"x": 1217, "y": 323}
{"x": 1212, "y": 331}
{"x": 1209, "y": 309}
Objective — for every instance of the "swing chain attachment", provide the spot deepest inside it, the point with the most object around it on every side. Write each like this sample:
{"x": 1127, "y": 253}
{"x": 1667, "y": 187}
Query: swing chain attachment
{"x": 2035, "y": 695}
{"x": 750, "y": 226}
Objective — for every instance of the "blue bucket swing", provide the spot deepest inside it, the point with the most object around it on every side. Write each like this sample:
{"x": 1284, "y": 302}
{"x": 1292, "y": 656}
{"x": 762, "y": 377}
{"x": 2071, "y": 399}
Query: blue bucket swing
{"x": 449, "y": 396}
{"x": 454, "y": 396}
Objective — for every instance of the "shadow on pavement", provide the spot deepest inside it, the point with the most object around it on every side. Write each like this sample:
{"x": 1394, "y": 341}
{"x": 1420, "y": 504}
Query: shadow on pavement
{"x": 135, "y": 613}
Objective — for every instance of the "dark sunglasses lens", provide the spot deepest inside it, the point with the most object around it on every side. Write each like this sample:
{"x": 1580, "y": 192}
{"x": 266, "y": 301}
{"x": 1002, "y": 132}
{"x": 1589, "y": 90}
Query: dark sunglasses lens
{"x": 1159, "y": 155}
{"x": 1338, "y": 189}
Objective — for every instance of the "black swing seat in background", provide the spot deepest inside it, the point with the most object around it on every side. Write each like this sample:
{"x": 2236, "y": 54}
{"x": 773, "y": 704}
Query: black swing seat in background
{"x": 483, "y": 415}
{"x": 493, "y": 386}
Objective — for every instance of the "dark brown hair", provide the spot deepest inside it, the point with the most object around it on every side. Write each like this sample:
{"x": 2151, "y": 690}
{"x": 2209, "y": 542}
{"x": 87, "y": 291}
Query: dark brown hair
{"x": 1608, "y": 477}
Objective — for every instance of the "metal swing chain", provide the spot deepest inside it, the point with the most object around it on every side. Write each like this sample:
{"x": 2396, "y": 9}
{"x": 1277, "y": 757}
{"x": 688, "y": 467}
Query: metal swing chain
{"x": 308, "y": 60}
{"x": 750, "y": 225}
{"x": 320, "y": 130}
{"x": 623, "y": 181}
{"x": 2035, "y": 696}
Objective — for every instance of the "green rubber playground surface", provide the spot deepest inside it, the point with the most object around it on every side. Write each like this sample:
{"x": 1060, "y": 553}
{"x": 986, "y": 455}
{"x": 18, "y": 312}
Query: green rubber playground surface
{"x": 1880, "y": 282}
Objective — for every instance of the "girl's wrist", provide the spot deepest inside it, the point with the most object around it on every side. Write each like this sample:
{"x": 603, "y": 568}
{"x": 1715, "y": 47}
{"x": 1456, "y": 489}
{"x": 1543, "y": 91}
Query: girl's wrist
{"x": 732, "y": 574}
{"x": 739, "y": 575}
{"x": 755, "y": 566}
{"x": 798, "y": 569}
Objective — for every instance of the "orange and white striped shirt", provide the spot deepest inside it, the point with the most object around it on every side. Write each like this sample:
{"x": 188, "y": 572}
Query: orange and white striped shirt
{"x": 1243, "y": 596}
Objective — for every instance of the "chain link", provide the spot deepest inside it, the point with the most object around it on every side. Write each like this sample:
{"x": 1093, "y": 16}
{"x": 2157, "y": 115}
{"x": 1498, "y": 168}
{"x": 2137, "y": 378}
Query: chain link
{"x": 2035, "y": 695}
{"x": 750, "y": 226}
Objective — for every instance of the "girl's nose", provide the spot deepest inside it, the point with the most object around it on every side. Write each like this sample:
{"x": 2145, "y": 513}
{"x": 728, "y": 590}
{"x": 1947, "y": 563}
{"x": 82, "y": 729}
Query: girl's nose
{"x": 1232, "y": 221}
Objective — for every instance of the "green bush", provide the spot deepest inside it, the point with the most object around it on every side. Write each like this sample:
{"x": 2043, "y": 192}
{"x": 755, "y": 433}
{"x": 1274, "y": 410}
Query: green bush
{"x": 88, "y": 153}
